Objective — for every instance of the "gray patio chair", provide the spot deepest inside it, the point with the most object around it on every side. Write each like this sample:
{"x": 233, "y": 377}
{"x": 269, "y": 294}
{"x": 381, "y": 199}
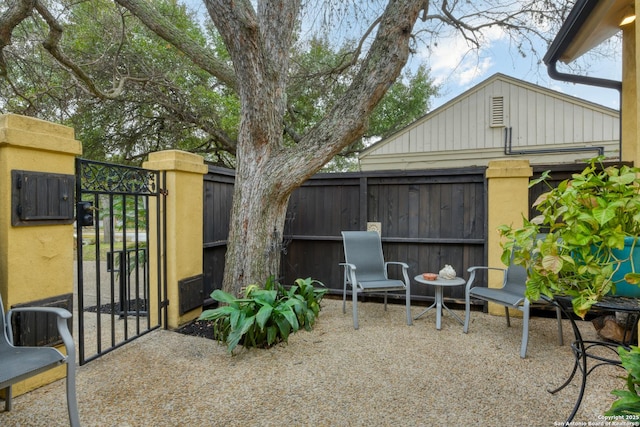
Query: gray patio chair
{"x": 510, "y": 295}
{"x": 366, "y": 271}
{"x": 18, "y": 363}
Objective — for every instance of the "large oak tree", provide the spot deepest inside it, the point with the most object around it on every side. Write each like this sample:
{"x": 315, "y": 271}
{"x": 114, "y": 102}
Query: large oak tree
{"x": 272, "y": 158}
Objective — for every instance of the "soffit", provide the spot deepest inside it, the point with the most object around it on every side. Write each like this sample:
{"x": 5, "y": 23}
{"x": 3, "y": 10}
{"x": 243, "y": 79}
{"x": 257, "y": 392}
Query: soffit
{"x": 590, "y": 23}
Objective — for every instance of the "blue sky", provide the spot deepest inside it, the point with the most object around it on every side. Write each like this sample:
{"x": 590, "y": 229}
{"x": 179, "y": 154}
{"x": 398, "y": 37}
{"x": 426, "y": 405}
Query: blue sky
{"x": 456, "y": 69}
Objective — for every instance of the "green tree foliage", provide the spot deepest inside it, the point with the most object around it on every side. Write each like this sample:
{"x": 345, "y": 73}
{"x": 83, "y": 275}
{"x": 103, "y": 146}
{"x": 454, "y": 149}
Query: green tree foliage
{"x": 174, "y": 104}
{"x": 322, "y": 75}
{"x": 169, "y": 103}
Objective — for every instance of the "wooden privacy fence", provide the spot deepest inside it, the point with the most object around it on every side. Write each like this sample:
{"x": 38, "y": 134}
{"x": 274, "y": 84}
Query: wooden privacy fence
{"x": 428, "y": 218}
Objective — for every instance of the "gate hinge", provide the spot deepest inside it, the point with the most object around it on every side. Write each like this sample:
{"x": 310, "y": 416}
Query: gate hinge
{"x": 164, "y": 304}
{"x": 163, "y": 191}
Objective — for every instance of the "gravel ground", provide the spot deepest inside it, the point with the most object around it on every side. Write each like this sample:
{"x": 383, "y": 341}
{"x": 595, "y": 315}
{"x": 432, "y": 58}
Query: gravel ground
{"x": 384, "y": 374}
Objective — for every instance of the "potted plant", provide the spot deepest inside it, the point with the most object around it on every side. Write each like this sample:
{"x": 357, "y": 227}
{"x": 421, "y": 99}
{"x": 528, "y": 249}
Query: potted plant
{"x": 587, "y": 227}
{"x": 582, "y": 245}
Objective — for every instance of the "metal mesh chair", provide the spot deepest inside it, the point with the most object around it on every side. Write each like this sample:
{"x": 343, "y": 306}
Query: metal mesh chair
{"x": 366, "y": 271}
{"x": 18, "y": 363}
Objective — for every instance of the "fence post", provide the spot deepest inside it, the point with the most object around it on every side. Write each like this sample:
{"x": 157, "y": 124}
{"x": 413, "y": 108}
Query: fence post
{"x": 507, "y": 203}
{"x": 37, "y": 210}
{"x": 183, "y": 254}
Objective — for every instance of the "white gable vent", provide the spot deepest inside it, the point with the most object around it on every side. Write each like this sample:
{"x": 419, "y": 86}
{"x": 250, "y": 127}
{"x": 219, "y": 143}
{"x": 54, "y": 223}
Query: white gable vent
{"x": 497, "y": 112}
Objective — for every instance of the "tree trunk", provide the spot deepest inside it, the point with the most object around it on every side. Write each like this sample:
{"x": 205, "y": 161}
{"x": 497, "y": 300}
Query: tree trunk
{"x": 255, "y": 236}
{"x": 267, "y": 171}
{"x": 259, "y": 44}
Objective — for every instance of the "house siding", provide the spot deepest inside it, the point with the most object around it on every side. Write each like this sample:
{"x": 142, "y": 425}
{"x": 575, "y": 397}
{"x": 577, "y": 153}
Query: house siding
{"x": 459, "y": 133}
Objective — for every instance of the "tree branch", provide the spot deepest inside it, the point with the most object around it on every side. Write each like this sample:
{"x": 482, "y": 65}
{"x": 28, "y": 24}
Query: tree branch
{"x": 349, "y": 59}
{"x": 17, "y": 12}
{"x": 200, "y": 55}
{"x": 51, "y": 44}
{"x": 383, "y": 63}
{"x": 511, "y": 20}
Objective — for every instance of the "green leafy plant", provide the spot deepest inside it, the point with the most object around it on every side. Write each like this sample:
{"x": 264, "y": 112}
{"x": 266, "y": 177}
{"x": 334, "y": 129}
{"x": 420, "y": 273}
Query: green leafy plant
{"x": 582, "y": 227}
{"x": 265, "y": 316}
{"x": 628, "y": 402}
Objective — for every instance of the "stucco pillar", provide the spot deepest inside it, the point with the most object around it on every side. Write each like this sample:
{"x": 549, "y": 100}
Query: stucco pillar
{"x": 36, "y": 257}
{"x": 630, "y": 105}
{"x": 183, "y": 206}
{"x": 629, "y": 111}
{"x": 508, "y": 202}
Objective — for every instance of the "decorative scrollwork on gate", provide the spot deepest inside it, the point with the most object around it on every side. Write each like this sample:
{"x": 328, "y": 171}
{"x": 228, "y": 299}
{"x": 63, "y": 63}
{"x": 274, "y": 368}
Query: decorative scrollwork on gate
{"x": 101, "y": 177}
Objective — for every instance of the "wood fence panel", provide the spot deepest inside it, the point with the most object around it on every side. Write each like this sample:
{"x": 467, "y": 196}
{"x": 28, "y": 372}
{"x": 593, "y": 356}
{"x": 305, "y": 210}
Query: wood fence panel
{"x": 217, "y": 197}
{"x": 429, "y": 218}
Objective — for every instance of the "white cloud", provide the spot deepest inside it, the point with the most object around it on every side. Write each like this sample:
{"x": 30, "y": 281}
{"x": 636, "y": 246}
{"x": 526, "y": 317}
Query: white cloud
{"x": 471, "y": 71}
{"x": 455, "y": 61}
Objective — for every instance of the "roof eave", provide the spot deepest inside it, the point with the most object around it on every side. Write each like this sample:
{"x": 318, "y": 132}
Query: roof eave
{"x": 589, "y": 23}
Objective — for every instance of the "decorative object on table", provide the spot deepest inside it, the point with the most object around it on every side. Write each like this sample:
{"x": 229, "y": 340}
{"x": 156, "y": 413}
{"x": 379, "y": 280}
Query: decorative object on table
{"x": 587, "y": 220}
{"x": 447, "y": 272}
{"x": 429, "y": 276}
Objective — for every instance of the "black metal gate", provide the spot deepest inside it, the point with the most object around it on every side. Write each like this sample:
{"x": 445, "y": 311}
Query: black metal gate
{"x": 118, "y": 293}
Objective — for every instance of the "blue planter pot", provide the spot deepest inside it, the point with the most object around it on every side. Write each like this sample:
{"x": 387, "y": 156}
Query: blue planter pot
{"x": 623, "y": 288}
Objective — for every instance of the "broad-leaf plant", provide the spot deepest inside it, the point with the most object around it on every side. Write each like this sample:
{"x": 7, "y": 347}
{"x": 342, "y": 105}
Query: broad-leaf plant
{"x": 627, "y": 406}
{"x": 265, "y": 315}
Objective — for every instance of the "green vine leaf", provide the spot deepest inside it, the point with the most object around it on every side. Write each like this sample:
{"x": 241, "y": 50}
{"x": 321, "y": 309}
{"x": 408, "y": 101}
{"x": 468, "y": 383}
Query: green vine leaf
{"x": 580, "y": 229}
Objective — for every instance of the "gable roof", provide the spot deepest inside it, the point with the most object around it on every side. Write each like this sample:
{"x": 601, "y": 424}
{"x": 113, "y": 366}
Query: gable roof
{"x": 480, "y": 86}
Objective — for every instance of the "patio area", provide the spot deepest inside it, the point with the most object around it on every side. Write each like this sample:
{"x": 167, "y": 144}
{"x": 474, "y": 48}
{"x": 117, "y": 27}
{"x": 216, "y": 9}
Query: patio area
{"x": 385, "y": 373}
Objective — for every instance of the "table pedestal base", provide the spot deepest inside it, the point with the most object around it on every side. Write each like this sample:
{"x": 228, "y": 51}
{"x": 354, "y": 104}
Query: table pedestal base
{"x": 439, "y": 305}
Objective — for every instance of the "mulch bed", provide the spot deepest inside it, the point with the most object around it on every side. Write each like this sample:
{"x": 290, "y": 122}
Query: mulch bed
{"x": 198, "y": 328}
{"x": 135, "y": 305}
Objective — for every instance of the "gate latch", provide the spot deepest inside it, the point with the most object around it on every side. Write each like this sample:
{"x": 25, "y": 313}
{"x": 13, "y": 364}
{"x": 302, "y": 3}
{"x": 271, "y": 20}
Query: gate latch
{"x": 85, "y": 214}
